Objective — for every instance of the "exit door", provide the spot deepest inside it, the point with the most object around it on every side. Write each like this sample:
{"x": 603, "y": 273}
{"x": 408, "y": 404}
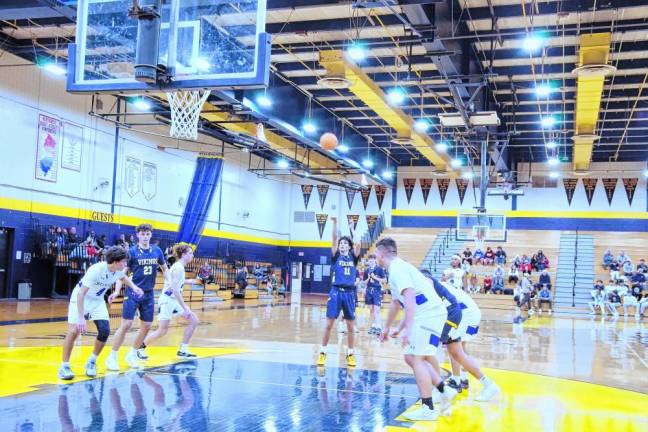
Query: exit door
{"x": 5, "y": 243}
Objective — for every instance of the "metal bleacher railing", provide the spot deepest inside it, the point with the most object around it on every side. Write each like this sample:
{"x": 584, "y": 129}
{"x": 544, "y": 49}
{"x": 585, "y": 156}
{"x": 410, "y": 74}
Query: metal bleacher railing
{"x": 440, "y": 248}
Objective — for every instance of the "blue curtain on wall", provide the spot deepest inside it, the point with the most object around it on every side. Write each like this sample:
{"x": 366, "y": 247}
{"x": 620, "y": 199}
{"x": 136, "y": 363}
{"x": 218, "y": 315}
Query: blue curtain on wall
{"x": 205, "y": 180}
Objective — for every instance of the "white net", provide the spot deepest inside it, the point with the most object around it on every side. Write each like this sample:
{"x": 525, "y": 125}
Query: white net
{"x": 480, "y": 233}
{"x": 185, "y": 112}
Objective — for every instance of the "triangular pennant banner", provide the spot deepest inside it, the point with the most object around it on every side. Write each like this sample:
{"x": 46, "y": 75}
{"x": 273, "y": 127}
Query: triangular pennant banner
{"x": 570, "y": 187}
{"x": 371, "y": 221}
{"x": 426, "y": 185}
{"x": 610, "y": 185}
{"x": 462, "y": 187}
{"x": 364, "y": 193}
{"x": 443, "y": 185}
{"x": 409, "y": 184}
{"x": 350, "y": 193}
{"x": 380, "y": 194}
{"x": 321, "y": 223}
{"x": 590, "y": 187}
{"x": 353, "y": 221}
{"x": 306, "y": 192}
{"x": 322, "y": 191}
{"x": 630, "y": 185}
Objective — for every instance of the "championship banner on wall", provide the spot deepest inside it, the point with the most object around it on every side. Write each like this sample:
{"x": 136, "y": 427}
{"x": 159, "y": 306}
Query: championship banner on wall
{"x": 133, "y": 175}
{"x": 380, "y": 194}
{"x": 350, "y": 193}
{"x": 371, "y": 221}
{"x": 630, "y": 185}
{"x": 321, "y": 223}
{"x": 590, "y": 187}
{"x": 364, "y": 193}
{"x": 149, "y": 180}
{"x": 322, "y": 191}
{"x": 426, "y": 185}
{"x": 409, "y": 184}
{"x": 353, "y": 221}
{"x": 570, "y": 187}
{"x": 306, "y": 193}
{"x": 462, "y": 187}
{"x": 610, "y": 185}
{"x": 443, "y": 185}
{"x": 47, "y": 150}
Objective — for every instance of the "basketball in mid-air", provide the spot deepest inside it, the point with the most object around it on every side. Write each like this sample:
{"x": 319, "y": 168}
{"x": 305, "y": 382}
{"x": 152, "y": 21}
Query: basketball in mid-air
{"x": 328, "y": 141}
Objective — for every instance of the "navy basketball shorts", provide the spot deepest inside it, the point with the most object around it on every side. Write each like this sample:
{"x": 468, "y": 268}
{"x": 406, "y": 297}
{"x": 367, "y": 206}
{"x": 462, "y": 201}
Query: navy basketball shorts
{"x": 341, "y": 301}
{"x": 451, "y": 330}
{"x": 373, "y": 296}
{"x": 145, "y": 305}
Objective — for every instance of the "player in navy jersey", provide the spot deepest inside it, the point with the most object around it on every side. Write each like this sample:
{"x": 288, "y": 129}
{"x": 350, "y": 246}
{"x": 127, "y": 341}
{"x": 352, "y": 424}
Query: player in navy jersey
{"x": 375, "y": 277}
{"x": 144, "y": 261}
{"x": 342, "y": 297}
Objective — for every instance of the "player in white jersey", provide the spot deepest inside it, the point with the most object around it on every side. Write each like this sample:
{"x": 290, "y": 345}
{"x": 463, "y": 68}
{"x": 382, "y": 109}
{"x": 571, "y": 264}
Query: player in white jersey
{"x": 172, "y": 304}
{"x": 458, "y": 275}
{"x": 420, "y": 328}
{"x": 87, "y": 303}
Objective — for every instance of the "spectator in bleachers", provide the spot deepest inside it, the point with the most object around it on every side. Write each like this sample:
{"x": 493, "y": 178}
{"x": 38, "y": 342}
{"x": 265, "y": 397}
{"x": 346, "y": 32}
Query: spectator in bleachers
{"x": 467, "y": 256}
{"x": 473, "y": 285}
{"x": 488, "y": 284}
{"x": 478, "y": 256}
{"x": 121, "y": 241}
{"x": 544, "y": 280}
{"x": 642, "y": 267}
{"x": 206, "y": 274}
{"x": 489, "y": 256}
{"x": 627, "y": 268}
{"x": 598, "y": 299}
{"x": 623, "y": 258}
{"x": 523, "y": 294}
{"x": 643, "y": 302}
{"x": 500, "y": 256}
{"x": 91, "y": 238}
{"x": 465, "y": 266}
{"x": 101, "y": 242}
{"x": 61, "y": 236}
{"x": 599, "y": 284}
{"x": 629, "y": 300}
{"x": 539, "y": 261}
{"x": 513, "y": 274}
{"x": 525, "y": 264}
{"x": 638, "y": 279}
{"x": 72, "y": 237}
{"x": 498, "y": 280}
{"x": 544, "y": 296}
{"x": 608, "y": 258}
{"x": 132, "y": 240}
{"x": 614, "y": 270}
{"x": 613, "y": 302}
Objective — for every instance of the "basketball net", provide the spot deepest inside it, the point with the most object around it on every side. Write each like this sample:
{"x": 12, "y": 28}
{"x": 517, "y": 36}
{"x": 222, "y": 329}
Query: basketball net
{"x": 185, "y": 111}
{"x": 479, "y": 234}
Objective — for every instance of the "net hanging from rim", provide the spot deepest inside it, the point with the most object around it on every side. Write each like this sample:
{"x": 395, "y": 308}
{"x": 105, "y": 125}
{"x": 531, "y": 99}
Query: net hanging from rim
{"x": 186, "y": 106}
{"x": 480, "y": 232}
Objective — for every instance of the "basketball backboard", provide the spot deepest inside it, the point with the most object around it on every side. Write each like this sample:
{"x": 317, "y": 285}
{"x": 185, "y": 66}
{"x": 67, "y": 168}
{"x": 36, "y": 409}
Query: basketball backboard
{"x": 218, "y": 44}
{"x": 481, "y": 227}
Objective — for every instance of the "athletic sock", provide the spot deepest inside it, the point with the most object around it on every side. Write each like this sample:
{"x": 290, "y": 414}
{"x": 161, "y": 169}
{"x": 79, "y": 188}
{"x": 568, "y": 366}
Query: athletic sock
{"x": 93, "y": 357}
{"x": 455, "y": 378}
{"x": 66, "y": 364}
{"x": 428, "y": 401}
{"x": 113, "y": 354}
{"x": 349, "y": 351}
{"x": 440, "y": 387}
{"x": 323, "y": 349}
{"x": 184, "y": 347}
{"x": 142, "y": 346}
{"x": 464, "y": 375}
{"x": 485, "y": 381}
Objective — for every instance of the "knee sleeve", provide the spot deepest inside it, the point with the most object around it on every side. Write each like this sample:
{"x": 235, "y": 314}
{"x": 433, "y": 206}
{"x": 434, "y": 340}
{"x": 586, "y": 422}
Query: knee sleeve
{"x": 103, "y": 330}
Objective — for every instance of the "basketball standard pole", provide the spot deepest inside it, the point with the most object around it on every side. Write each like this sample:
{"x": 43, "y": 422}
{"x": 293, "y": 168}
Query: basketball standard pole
{"x": 483, "y": 184}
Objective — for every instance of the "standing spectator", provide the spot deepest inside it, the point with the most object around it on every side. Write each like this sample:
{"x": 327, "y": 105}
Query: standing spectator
{"x": 467, "y": 256}
{"x": 61, "y": 237}
{"x": 544, "y": 280}
{"x": 101, "y": 242}
{"x": 544, "y": 296}
{"x": 608, "y": 258}
{"x": 478, "y": 256}
{"x": 489, "y": 256}
{"x": 91, "y": 239}
{"x": 473, "y": 285}
{"x": 642, "y": 267}
{"x": 523, "y": 295}
{"x": 121, "y": 241}
{"x": 72, "y": 236}
{"x": 500, "y": 256}
{"x": 627, "y": 268}
{"x": 598, "y": 299}
{"x": 498, "y": 280}
{"x": 613, "y": 302}
{"x": 614, "y": 270}
{"x": 513, "y": 274}
{"x": 131, "y": 240}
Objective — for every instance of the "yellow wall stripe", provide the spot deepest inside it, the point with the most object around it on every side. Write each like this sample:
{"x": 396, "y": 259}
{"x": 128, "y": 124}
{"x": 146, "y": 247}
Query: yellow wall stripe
{"x": 531, "y": 214}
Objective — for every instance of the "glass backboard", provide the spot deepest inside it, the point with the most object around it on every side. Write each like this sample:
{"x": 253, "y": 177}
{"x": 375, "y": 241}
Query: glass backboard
{"x": 481, "y": 227}
{"x": 219, "y": 44}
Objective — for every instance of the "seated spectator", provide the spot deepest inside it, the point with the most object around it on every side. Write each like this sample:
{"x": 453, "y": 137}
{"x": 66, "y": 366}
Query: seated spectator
{"x": 478, "y": 256}
{"x": 72, "y": 237}
{"x": 101, "y": 242}
{"x": 489, "y": 256}
{"x": 205, "y": 274}
{"x": 488, "y": 284}
{"x": 541, "y": 261}
{"x": 544, "y": 280}
{"x": 599, "y": 284}
{"x": 638, "y": 279}
{"x": 643, "y": 303}
{"x": 613, "y": 302}
{"x": 498, "y": 280}
{"x": 465, "y": 266}
{"x": 544, "y": 296}
{"x": 61, "y": 237}
{"x": 500, "y": 256}
{"x": 241, "y": 278}
{"x": 642, "y": 267}
{"x": 523, "y": 294}
{"x": 598, "y": 299}
{"x": 627, "y": 268}
{"x": 121, "y": 241}
{"x": 623, "y": 258}
{"x": 517, "y": 261}
{"x": 525, "y": 264}
{"x": 92, "y": 238}
{"x": 614, "y": 270}
{"x": 513, "y": 274}
{"x": 473, "y": 285}
{"x": 467, "y": 256}
{"x": 629, "y": 300}
{"x": 608, "y": 258}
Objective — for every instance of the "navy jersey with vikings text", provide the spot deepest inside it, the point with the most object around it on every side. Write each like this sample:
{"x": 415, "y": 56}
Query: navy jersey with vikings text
{"x": 143, "y": 264}
{"x": 344, "y": 270}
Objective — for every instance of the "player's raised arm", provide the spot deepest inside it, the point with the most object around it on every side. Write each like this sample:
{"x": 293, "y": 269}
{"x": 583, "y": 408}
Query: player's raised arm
{"x": 336, "y": 235}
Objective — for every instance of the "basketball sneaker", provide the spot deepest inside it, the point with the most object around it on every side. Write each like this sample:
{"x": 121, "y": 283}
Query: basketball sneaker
{"x": 464, "y": 384}
{"x": 186, "y": 354}
{"x": 448, "y": 395}
{"x": 351, "y": 360}
{"x": 132, "y": 359}
{"x": 141, "y": 354}
{"x": 91, "y": 368}
{"x": 321, "y": 359}
{"x": 65, "y": 373}
{"x": 423, "y": 413}
{"x": 489, "y": 391}
{"x": 453, "y": 384}
{"x": 112, "y": 363}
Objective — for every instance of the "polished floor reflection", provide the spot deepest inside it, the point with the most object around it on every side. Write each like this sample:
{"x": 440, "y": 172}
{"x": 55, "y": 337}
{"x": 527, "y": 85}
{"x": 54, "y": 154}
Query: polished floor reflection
{"x": 255, "y": 373}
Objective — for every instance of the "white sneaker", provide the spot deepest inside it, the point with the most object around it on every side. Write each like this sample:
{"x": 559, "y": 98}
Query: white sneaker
{"x": 133, "y": 360}
{"x": 531, "y": 312}
{"x": 423, "y": 413}
{"x": 112, "y": 363}
{"x": 448, "y": 395}
{"x": 91, "y": 368}
{"x": 488, "y": 393}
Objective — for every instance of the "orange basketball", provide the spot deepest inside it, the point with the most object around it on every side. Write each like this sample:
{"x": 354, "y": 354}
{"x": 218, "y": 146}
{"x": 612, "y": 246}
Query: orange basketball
{"x": 328, "y": 141}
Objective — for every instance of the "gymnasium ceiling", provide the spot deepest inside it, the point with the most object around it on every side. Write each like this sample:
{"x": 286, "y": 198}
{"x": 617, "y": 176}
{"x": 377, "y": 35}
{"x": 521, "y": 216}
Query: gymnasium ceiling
{"x": 440, "y": 52}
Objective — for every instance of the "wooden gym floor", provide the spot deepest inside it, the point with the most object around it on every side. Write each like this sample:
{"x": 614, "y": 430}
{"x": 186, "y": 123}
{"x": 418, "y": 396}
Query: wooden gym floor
{"x": 255, "y": 373}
